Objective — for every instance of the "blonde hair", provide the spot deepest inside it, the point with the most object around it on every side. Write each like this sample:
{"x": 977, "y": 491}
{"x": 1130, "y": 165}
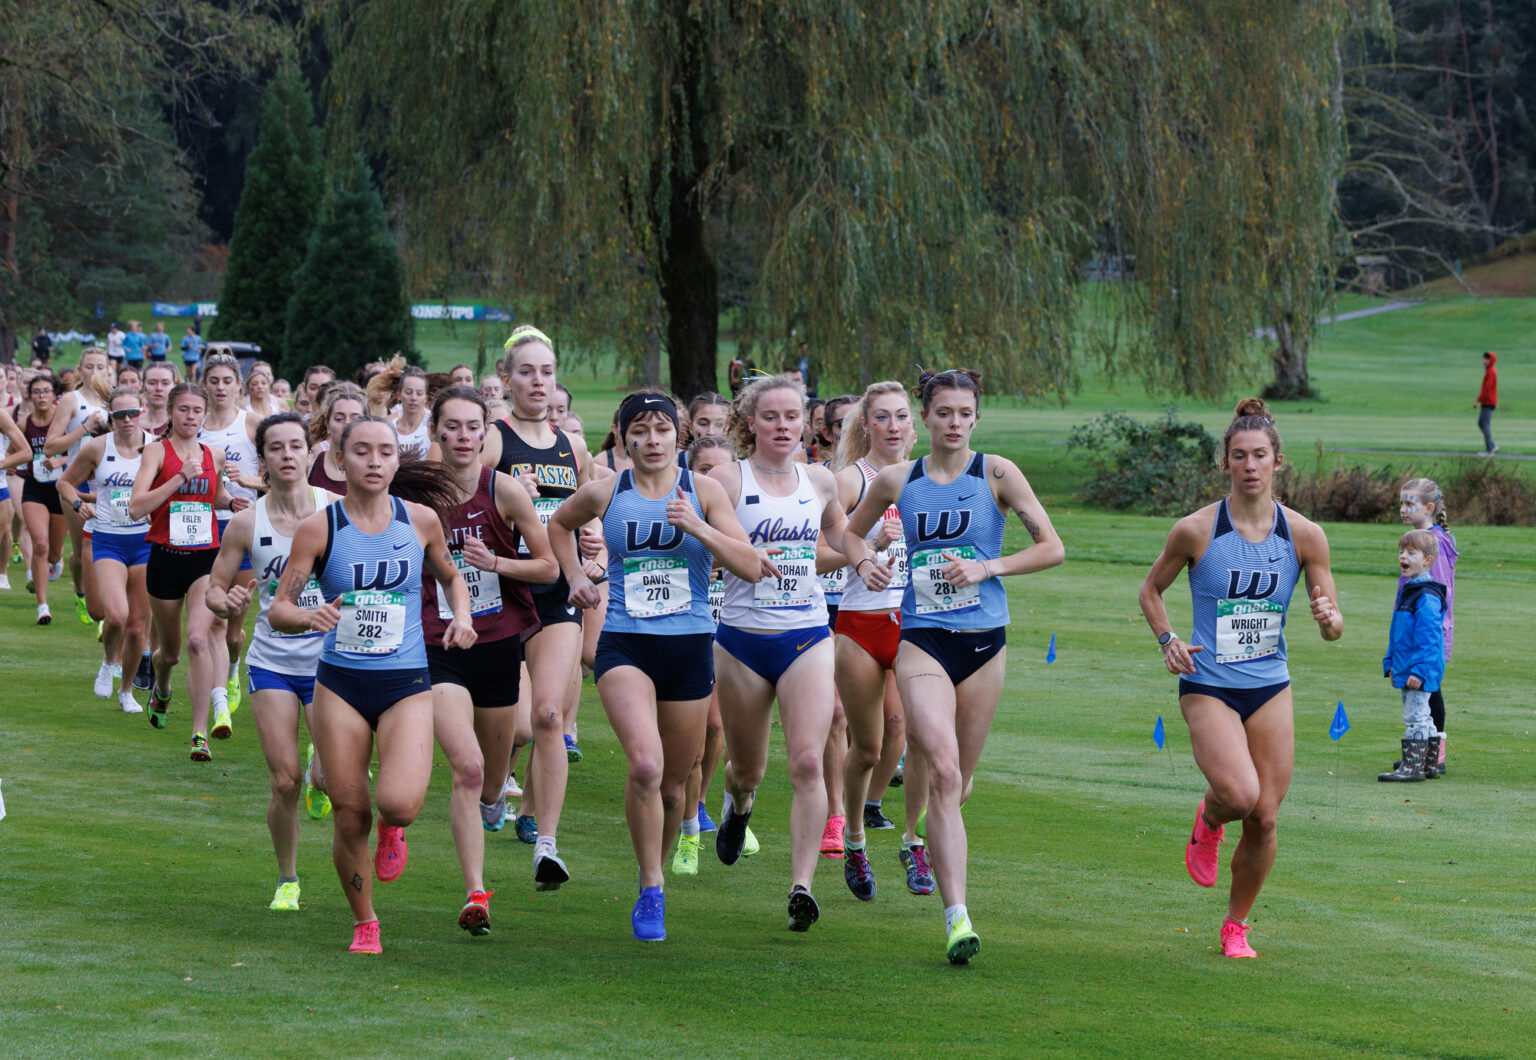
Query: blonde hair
{"x": 522, "y": 335}
{"x": 1426, "y": 490}
{"x": 738, "y": 425}
{"x": 1422, "y": 540}
{"x": 854, "y": 444}
{"x": 96, "y": 381}
{"x": 335, "y": 391}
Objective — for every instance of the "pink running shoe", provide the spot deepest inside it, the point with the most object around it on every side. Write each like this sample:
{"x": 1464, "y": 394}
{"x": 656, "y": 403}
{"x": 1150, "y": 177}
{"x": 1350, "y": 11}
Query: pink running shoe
{"x": 365, "y": 938}
{"x": 1234, "y": 939}
{"x": 832, "y": 839}
{"x": 390, "y": 854}
{"x": 1200, "y": 857}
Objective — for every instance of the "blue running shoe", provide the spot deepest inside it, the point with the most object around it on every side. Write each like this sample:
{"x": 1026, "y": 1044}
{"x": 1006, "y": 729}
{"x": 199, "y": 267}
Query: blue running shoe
{"x": 650, "y": 916}
{"x": 919, "y": 875}
{"x": 492, "y": 817}
{"x": 858, "y": 873}
{"x": 572, "y": 752}
{"x": 705, "y": 824}
{"x": 875, "y": 820}
{"x": 731, "y": 836}
{"x": 526, "y": 827}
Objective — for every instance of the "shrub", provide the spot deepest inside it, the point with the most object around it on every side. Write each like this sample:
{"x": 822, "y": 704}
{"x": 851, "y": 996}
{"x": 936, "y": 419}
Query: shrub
{"x": 1165, "y": 467}
{"x": 1477, "y": 492}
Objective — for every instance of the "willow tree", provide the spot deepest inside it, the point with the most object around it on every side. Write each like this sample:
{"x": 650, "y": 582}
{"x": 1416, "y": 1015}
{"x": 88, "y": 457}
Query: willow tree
{"x": 903, "y": 181}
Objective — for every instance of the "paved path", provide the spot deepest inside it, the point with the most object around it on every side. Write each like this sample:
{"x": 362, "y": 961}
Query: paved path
{"x": 1354, "y": 314}
{"x": 1427, "y": 452}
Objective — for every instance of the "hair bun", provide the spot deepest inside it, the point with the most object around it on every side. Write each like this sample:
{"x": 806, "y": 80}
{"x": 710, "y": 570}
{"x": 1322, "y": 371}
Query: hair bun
{"x": 1252, "y": 407}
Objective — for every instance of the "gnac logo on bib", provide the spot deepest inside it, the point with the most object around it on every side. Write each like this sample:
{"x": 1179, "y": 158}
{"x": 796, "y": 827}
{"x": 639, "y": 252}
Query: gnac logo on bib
{"x": 944, "y": 531}
{"x": 658, "y": 536}
{"x": 1260, "y": 586}
{"x": 383, "y": 575}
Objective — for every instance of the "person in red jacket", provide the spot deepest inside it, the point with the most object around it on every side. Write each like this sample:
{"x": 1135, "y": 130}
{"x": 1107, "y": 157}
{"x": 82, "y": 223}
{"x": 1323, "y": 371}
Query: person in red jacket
{"x": 1487, "y": 401}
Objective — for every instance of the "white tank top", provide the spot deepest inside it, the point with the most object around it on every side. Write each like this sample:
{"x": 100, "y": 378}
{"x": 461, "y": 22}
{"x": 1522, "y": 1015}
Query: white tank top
{"x": 296, "y": 654}
{"x": 84, "y": 407}
{"x": 419, "y": 440}
{"x": 239, "y": 454}
{"x": 855, "y": 596}
{"x": 792, "y": 523}
{"x": 114, "y": 484}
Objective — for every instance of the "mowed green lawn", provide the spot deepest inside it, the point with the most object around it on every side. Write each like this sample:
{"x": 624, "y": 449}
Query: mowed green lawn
{"x": 1399, "y": 920}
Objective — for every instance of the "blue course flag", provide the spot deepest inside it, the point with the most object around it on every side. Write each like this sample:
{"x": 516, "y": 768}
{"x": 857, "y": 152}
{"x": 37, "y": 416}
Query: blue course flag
{"x": 1157, "y": 733}
{"x": 1050, "y": 655}
{"x": 1340, "y": 722}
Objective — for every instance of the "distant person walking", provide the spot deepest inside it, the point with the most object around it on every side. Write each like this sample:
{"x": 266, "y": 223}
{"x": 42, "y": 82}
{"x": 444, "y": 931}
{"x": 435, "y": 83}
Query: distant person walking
{"x": 1487, "y": 401}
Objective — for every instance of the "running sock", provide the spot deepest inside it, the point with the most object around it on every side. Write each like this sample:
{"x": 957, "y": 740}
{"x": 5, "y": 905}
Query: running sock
{"x": 691, "y": 825}
{"x": 1243, "y": 922}
{"x": 727, "y": 806}
{"x": 952, "y": 916}
{"x": 544, "y": 847}
{"x": 872, "y": 804}
{"x": 913, "y": 845}
{"x": 234, "y": 668}
{"x": 850, "y": 843}
{"x": 219, "y": 700}
{"x": 287, "y": 879}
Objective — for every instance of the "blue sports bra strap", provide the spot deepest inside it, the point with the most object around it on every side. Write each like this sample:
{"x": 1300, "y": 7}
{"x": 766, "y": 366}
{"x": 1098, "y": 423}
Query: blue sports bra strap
{"x": 1282, "y": 528}
{"x": 1223, "y": 521}
{"x": 978, "y": 466}
{"x": 401, "y": 515}
{"x": 917, "y": 471}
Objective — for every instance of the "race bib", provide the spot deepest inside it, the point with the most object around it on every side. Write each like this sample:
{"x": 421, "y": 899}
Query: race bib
{"x": 112, "y": 505}
{"x": 42, "y": 473}
{"x": 546, "y": 507}
{"x": 191, "y": 524}
{"x": 656, "y": 586}
{"x": 716, "y": 596}
{"x": 833, "y": 583}
{"x": 935, "y": 594}
{"x": 1247, "y": 629}
{"x": 797, "y": 586}
{"x": 310, "y": 599}
{"x": 901, "y": 570}
{"x": 372, "y": 623}
{"x": 484, "y": 590}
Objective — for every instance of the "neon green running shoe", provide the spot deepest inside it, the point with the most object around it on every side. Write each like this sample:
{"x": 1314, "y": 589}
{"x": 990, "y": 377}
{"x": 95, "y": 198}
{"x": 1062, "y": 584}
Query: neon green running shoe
{"x": 286, "y": 899}
{"x": 316, "y": 802}
{"x": 749, "y": 845}
{"x": 686, "y": 861}
{"x": 222, "y": 729}
{"x": 232, "y": 686}
{"x": 963, "y": 943}
{"x": 921, "y": 828}
{"x": 81, "y": 611}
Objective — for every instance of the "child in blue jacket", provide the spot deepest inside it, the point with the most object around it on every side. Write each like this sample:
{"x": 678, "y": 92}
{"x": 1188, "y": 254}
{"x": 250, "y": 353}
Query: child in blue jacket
{"x": 1415, "y": 659}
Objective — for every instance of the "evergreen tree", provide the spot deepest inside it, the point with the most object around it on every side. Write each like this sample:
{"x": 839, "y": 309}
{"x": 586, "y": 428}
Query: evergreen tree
{"x": 284, "y": 183}
{"x": 904, "y": 181}
{"x": 349, "y": 304}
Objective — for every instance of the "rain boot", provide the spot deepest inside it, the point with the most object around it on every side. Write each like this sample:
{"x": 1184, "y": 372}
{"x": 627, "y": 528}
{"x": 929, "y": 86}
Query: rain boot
{"x": 1432, "y": 758}
{"x": 1411, "y": 768}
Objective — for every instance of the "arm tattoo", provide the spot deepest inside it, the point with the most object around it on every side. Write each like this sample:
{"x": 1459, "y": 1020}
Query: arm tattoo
{"x": 293, "y": 583}
{"x": 997, "y": 472}
{"x": 1029, "y": 524}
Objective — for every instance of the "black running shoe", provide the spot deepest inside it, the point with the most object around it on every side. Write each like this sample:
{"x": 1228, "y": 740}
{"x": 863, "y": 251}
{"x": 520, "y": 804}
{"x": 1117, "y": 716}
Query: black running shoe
{"x": 874, "y": 819}
{"x": 732, "y": 835}
{"x": 145, "y": 675}
{"x": 859, "y": 875}
{"x": 803, "y": 910}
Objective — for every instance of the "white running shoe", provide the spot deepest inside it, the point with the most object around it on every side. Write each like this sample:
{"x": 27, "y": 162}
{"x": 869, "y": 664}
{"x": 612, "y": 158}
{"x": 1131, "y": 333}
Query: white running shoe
{"x": 103, "y": 684}
{"x": 128, "y": 703}
{"x": 54, "y": 570}
{"x": 44, "y": 616}
{"x": 5, "y": 581}
{"x": 511, "y": 789}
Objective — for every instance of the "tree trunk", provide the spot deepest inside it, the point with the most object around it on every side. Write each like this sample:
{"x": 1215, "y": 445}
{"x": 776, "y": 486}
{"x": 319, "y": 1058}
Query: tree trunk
{"x": 1291, "y": 382}
{"x": 10, "y": 214}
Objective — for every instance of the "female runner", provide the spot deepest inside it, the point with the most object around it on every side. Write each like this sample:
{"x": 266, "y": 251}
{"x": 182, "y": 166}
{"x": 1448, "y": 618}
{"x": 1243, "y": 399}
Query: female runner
{"x": 368, "y": 553}
{"x": 14, "y": 452}
{"x": 954, "y": 610}
{"x": 232, "y": 430}
{"x": 1244, "y": 555}
{"x": 159, "y": 379}
{"x": 258, "y": 399}
{"x": 868, "y": 632}
{"x": 474, "y": 691}
{"x": 413, "y": 424}
{"x": 663, "y": 527}
{"x": 40, "y": 509}
{"x": 280, "y": 666}
{"x": 773, "y": 639}
{"x": 550, "y": 467}
{"x": 119, "y": 548}
{"x": 179, "y": 484}
{"x": 82, "y": 415}
{"x": 342, "y": 403}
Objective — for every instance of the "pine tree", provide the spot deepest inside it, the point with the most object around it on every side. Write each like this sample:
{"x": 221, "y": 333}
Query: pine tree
{"x": 349, "y": 305}
{"x": 284, "y": 183}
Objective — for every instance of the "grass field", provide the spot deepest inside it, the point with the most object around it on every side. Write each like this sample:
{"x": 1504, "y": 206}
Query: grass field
{"x": 1399, "y": 919}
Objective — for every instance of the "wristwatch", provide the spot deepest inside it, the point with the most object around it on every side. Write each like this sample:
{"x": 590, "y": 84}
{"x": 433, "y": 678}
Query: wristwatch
{"x": 1164, "y": 638}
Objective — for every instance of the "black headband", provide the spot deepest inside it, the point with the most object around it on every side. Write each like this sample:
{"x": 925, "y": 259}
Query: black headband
{"x": 638, "y": 404}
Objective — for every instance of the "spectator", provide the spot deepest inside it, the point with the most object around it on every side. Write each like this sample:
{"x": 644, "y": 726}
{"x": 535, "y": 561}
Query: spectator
{"x": 115, "y": 345}
{"x": 42, "y": 347}
{"x": 736, "y": 374}
{"x": 159, "y": 343}
{"x": 191, "y": 352}
{"x": 1487, "y": 401}
{"x": 133, "y": 345}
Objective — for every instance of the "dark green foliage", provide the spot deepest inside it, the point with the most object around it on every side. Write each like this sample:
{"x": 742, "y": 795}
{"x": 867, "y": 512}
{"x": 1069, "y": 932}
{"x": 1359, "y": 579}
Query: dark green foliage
{"x": 1165, "y": 467}
{"x": 283, "y": 185}
{"x": 349, "y": 305}
{"x": 1477, "y": 492}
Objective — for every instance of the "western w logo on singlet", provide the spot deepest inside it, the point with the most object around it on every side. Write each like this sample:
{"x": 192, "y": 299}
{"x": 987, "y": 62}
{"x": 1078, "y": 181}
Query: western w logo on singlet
{"x": 943, "y": 531}
{"x": 658, "y": 536}
{"x": 381, "y": 575}
{"x": 1261, "y": 584}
